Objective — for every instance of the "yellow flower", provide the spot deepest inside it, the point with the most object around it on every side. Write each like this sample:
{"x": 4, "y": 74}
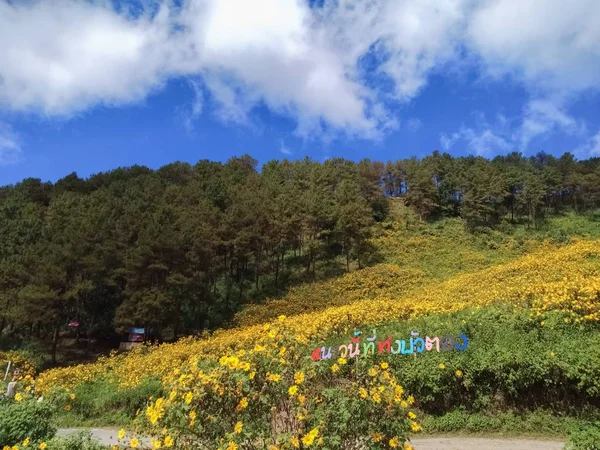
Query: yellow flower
{"x": 394, "y": 442}
{"x": 412, "y": 415}
{"x": 68, "y": 408}
{"x": 232, "y": 446}
{"x": 414, "y": 426}
{"x": 372, "y": 371}
{"x": 26, "y": 442}
{"x": 274, "y": 377}
{"x": 309, "y": 438}
{"x": 18, "y": 397}
{"x": 377, "y": 437}
{"x": 293, "y": 390}
{"x": 411, "y": 400}
{"x": 342, "y": 361}
{"x": 43, "y": 445}
{"x": 459, "y": 373}
{"x": 363, "y": 392}
{"x": 242, "y": 404}
{"x": 156, "y": 443}
{"x": 168, "y": 441}
{"x": 121, "y": 433}
{"x": 407, "y": 446}
{"x": 72, "y": 396}
{"x": 188, "y": 398}
{"x": 238, "y": 427}
{"x": 281, "y": 318}
{"x": 301, "y": 399}
{"x": 335, "y": 368}
{"x": 384, "y": 365}
{"x": 442, "y": 366}
{"x": 295, "y": 442}
{"x": 134, "y": 443}
{"x": 403, "y": 404}
{"x": 299, "y": 377}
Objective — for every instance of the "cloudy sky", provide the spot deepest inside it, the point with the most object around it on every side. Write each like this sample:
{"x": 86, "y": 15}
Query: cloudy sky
{"x": 87, "y": 86}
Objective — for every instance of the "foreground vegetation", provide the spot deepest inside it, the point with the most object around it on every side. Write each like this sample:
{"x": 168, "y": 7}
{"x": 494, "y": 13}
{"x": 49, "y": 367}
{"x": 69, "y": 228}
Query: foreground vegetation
{"x": 518, "y": 376}
{"x": 533, "y": 352}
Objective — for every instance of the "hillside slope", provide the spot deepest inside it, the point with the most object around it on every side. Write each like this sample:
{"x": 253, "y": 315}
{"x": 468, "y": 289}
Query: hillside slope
{"x": 565, "y": 279}
{"x": 414, "y": 253}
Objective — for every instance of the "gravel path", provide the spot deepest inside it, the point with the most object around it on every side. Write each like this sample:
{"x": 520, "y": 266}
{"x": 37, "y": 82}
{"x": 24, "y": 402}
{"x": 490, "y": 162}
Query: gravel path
{"x": 109, "y": 437}
{"x": 459, "y": 443}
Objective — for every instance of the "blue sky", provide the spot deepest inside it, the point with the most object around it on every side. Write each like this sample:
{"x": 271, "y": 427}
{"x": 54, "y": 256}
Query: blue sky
{"x": 88, "y": 87}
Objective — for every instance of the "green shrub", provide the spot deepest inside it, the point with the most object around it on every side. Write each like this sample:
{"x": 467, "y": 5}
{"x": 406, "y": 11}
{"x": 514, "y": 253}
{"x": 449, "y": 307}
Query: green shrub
{"x": 79, "y": 441}
{"x": 101, "y": 402}
{"x": 25, "y": 419}
{"x": 512, "y": 363}
{"x": 586, "y": 438}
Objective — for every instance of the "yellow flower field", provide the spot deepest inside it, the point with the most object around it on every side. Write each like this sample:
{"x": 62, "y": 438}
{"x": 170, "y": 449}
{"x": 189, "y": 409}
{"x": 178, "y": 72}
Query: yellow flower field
{"x": 566, "y": 279}
{"x": 365, "y": 284}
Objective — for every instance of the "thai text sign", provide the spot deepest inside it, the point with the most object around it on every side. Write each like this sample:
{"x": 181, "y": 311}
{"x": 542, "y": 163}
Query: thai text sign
{"x": 371, "y": 345}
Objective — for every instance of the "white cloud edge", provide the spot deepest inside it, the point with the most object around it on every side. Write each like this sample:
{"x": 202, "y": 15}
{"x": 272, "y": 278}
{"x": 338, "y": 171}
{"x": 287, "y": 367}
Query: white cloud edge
{"x": 10, "y": 146}
{"x": 284, "y": 149}
{"x": 540, "y": 119}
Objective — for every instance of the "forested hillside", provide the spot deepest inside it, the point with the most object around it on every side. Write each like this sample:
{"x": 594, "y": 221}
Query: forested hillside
{"x": 180, "y": 249}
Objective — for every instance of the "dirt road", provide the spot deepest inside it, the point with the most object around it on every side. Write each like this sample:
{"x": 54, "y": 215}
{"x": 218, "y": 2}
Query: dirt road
{"x": 459, "y": 443}
{"x": 109, "y": 437}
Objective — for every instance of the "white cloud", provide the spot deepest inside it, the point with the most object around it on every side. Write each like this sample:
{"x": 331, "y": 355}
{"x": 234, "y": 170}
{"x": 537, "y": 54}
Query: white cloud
{"x": 414, "y": 124}
{"x": 549, "y": 44}
{"x": 189, "y": 113}
{"x": 62, "y": 57}
{"x": 591, "y": 147}
{"x": 448, "y": 141}
{"x": 482, "y": 142}
{"x": 283, "y": 149}
{"x": 538, "y": 120}
{"x": 10, "y": 146}
{"x": 65, "y": 56}
{"x": 542, "y": 117}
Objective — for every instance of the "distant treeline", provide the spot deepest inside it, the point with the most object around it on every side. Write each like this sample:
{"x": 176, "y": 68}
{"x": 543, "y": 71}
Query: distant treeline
{"x": 182, "y": 247}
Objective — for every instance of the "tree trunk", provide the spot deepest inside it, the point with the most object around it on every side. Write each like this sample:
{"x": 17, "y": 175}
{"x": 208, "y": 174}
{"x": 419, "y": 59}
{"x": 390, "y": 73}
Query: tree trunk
{"x": 276, "y": 268}
{"x": 55, "y": 342}
{"x": 347, "y": 259}
{"x": 257, "y": 273}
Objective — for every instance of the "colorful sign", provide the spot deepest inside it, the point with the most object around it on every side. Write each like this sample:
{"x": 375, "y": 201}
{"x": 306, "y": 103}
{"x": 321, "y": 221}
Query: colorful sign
{"x": 136, "y": 335}
{"x": 414, "y": 345}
